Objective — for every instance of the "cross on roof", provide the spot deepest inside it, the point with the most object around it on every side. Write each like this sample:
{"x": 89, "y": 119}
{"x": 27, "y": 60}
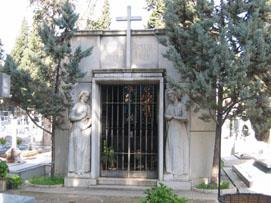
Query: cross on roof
{"x": 128, "y": 18}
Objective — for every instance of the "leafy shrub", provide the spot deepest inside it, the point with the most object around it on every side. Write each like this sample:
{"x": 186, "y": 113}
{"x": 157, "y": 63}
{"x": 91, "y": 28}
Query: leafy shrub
{"x": 3, "y": 141}
{"x": 3, "y": 169}
{"x": 162, "y": 194}
{"x": 19, "y": 140}
{"x": 13, "y": 181}
{"x": 223, "y": 185}
{"x": 46, "y": 180}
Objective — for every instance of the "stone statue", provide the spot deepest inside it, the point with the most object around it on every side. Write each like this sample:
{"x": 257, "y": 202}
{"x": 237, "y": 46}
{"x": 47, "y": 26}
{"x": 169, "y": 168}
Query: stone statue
{"x": 177, "y": 143}
{"x": 79, "y": 145}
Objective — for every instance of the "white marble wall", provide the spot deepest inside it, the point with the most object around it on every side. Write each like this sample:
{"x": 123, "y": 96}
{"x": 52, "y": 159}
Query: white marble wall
{"x": 109, "y": 53}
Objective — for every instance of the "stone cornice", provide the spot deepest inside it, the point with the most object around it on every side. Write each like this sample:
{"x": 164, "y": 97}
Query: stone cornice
{"x": 119, "y": 32}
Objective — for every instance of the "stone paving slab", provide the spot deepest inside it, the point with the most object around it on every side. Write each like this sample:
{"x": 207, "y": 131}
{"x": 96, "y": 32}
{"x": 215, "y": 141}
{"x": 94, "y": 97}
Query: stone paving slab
{"x": 10, "y": 198}
{"x": 99, "y": 195}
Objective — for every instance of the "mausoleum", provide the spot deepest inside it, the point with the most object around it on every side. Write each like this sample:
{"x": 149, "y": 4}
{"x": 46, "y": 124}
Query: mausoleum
{"x": 132, "y": 114}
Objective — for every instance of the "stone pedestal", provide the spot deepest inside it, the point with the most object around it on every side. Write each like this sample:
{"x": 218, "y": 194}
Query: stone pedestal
{"x": 73, "y": 180}
{"x": 177, "y": 183}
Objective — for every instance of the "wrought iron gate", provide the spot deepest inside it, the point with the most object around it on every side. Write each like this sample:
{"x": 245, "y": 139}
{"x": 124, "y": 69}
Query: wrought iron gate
{"x": 129, "y": 131}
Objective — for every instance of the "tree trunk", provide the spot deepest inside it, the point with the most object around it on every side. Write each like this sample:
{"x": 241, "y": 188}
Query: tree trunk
{"x": 216, "y": 157}
{"x": 57, "y": 86}
{"x": 53, "y": 147}
{"x": 215, "y": 176}
{"x": 46, "y": 137}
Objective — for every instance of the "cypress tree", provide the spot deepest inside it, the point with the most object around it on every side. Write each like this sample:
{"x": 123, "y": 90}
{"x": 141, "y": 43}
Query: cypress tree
{"x": 1, "y": 52}
{"x": 53, "y": 67}
{"x": 222, "y": 53}
{"x": 21, "y": 43}
{"x": 156, "y": 18}
{"x": 103, "y": 22}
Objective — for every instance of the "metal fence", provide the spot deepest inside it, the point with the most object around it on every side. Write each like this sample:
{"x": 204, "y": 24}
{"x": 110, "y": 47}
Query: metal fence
{"x": 245, "y": 198}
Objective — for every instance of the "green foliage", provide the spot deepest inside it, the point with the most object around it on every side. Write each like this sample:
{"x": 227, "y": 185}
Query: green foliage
{"x": 3, "y": 141}
{"x": 19, "y": 140}
{"x": 43, "y": 78}
{"x": 104, "y": 20}
{"x": 14, "y": 181}
{"x": 3, "y": 169}
{"x": 1, "y": 53}
{"x": 21, "y": 44}
{"x": 212, "y": 186}
{"x": 44, "y": 180}
{"x": 156, "y": 18}
{"x": 162, "y": 194}
{"x": 222, "y": 53}
{"x": 259, "y": 114}
{"x": 108, "y": 156}
{"x": 222, "y": 164}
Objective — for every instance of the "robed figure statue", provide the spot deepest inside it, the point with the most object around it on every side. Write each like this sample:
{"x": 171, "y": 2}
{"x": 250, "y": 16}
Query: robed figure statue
{"x": 79, "y": 143}
{"x": 177, "y": 142}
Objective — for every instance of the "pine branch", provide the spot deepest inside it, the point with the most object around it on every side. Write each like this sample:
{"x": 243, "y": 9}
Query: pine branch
{"x": 34, "y": 121}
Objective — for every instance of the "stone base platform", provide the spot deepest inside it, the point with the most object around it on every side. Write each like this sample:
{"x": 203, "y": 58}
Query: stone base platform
{"x": 87, "y": 181}
{"x": 100, "y": 193}
{"x": 256, "y": 179}
{"x": 26, "y": 170}
{"x": 127, "y": 181}
{"x": 177, "y": 185}
{"x": 79, "y": 181}
{"x": 246, "y": 172}
{"x": 104, "y": 182}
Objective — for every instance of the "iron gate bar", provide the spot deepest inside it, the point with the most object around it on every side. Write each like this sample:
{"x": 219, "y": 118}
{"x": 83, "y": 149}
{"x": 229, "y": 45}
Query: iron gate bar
{"x": 106, "y": 164}
{"x": 133, "y": 114}
{"x": 123, "y": 128}
{"x": 146, "y": 139}
{"x": 112, "y": 120}
{"x": 134, "y": 135}
{"x": 152, "y": 117}
{"x": 140, "y": 139}
{"x": 129, "y": 130}
{"x": 117, "y": 128}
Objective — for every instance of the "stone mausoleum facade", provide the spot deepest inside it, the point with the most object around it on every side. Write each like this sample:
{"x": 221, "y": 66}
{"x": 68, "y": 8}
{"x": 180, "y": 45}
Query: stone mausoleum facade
{"x": 128, "y": 133}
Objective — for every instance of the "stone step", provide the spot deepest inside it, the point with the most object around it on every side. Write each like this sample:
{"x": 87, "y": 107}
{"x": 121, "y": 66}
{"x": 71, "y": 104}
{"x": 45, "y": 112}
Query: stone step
{"x": 140, "y": 189}
{"x": 127, "y": 181}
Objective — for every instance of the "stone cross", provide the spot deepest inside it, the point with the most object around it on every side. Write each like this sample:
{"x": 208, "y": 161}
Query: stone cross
{"x": 128, "y": 18}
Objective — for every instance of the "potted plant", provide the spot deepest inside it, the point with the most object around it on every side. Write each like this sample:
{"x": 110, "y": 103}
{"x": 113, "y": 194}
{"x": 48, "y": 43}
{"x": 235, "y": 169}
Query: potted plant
{"x": 108, "y": 157}
{"x": 3, "y": 174}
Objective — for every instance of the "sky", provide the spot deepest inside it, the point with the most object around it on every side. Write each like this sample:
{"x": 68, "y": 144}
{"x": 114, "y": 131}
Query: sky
{"x": 12, "y": 13}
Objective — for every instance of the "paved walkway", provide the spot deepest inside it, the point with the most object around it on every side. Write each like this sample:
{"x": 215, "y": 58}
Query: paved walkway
{"x": 101, "y": 195}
